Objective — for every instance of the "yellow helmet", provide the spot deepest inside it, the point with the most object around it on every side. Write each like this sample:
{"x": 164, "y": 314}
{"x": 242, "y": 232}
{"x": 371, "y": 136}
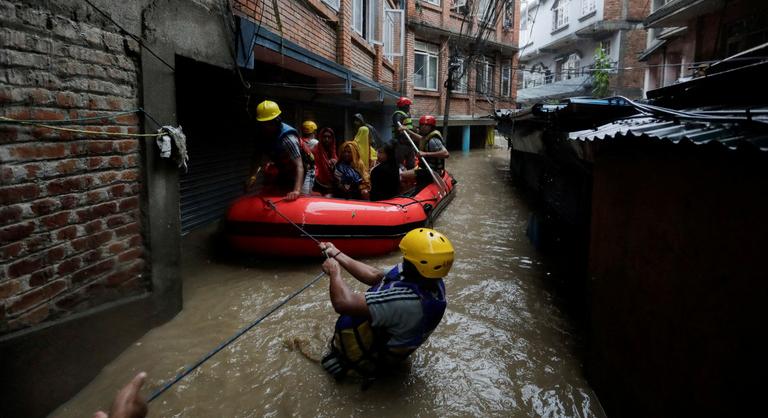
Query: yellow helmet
{"x": 267, "y": 110}
{"x": 308, "y": 127}
{"x": 429, "y": 251}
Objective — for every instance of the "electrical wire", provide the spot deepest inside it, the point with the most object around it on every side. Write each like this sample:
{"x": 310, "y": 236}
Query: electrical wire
{"x": 135, "y": 38}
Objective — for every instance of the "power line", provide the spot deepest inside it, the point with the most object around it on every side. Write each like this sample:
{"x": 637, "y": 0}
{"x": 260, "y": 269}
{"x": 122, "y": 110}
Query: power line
{"x": 136, "y": 38}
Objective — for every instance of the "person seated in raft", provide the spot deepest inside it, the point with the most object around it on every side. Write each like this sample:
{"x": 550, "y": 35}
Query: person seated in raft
{"x": 385, "y": 177}
{"x": 325, "y": 162}
{"x": 352, "y": 181}
{"x": 383, "y": 326}
{"x": 366, "y": 137}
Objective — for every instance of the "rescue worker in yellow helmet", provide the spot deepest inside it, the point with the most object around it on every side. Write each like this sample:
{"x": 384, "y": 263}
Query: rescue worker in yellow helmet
{"x": 396, "y": 314}
{"x": 280, "y": 143}
{"x": 308, "y": 130}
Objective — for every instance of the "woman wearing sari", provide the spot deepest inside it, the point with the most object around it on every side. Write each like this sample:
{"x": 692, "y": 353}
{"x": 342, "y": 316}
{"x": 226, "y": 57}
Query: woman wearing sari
{"x": 325, "y": 162}
{"x": 352, "y": 180}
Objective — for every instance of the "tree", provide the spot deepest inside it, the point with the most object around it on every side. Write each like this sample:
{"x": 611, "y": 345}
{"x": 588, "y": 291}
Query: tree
{"x": 601, "y": 74}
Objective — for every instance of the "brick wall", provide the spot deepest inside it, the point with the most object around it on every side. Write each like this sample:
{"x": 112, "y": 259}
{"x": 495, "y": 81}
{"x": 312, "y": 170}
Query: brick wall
{"x": 443, "y": 17}
{"x": 310, "y": 24}
{"x": 70, "y": 234}
{"x": 362, "y": 56}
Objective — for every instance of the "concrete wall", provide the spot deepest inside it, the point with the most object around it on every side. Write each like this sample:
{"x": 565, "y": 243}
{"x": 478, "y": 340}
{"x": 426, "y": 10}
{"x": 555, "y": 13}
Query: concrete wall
{"x": 678, "y": 280}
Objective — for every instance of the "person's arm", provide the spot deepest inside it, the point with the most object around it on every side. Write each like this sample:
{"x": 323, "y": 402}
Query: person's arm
{"x": 362, "y": 272}
{"x": 296, "y": 192}
{"x": 435, "y": 150}
{"x": 292, "y": 145}
{"x": 344, "y": 300}
{"x": 443, "y": 153}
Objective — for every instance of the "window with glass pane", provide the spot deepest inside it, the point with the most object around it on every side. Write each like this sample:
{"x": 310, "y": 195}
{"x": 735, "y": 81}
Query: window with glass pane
{"x": 435, "y": 2}
{"x": 570, "y": 68}
{"x": 358, "y": 13}
{"x": 425, "y": 66}
{"x": 509, "y": 15}
{"x": 506, "y": 80}
{"x": 460, "y": 77}
{"x": 334, "y": 4}
{"x": 587, "y": 7}
{"x": 560, "y": 14}
{"x": 486, "y": 10}
{"x": 484, "y": 77}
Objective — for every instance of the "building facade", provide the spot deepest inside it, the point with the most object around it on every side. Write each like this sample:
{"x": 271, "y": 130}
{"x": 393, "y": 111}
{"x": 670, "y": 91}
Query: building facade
{"x": 559, "y": 41}
{"x": 685, "y": 37}
{"x": 476, "y": 41}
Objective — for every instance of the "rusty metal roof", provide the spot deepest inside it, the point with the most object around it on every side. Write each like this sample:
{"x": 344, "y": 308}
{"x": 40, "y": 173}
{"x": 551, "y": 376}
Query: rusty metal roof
{"x": 732, "y": 135}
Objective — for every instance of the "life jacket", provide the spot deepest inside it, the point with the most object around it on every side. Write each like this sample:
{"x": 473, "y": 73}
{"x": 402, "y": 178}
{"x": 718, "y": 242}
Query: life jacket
{"x": 437, "y": 164}
{"x": 407, "y": 122}
{"x": 365, "y": 349}
{"x": 282, "y": 158}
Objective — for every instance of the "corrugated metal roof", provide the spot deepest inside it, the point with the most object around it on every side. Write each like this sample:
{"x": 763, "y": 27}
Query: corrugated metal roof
{"x": 730, "y": 135}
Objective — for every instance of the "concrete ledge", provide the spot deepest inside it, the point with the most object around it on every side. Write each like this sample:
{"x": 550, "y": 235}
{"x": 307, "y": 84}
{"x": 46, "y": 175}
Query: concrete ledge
{"x": 45, "y": 366}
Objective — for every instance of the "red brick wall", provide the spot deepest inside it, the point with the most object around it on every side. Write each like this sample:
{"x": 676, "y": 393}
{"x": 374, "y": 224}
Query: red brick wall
{"x": 442, "y": 17}
{"x": 362, "y": 56}
{"x": 312, "y": 27}
{"x": 69, "y": 218}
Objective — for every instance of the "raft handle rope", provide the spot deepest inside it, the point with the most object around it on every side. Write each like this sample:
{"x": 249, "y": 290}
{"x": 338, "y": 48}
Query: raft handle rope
{"x": 244, "y": 330}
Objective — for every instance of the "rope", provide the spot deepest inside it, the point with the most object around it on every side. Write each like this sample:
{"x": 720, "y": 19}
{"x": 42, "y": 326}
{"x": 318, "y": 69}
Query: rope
{"x": 70, "y": 121}
{"x": 244, "y": 330}
{"x": 273, "y": 207}
{"x": 81, "y": 131}
{"x": 231, "y": 339}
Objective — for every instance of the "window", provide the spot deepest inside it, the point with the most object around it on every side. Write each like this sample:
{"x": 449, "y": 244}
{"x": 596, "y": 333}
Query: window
{"x": 570, "y": 67}
{"x": 425, "y": 66}
{"x": 506, "y": 80}
{"x": 394, "y": 28}
{"x": 333, "y": 4}
{"x": 486, "y": 10}
{"x": 587, "y": 7}
{"x": 509, "y": 15}
{"x": 435, "y": 2}
{"x": 460, "y": 76}
{"x": 484, "y": 76}
{"x": 606, "y": 47}
{"x": 536, "y": 76}
{"x": 366, "y": 19}
{"x": 460, "y": 6}
{"x": 560, "y": 14}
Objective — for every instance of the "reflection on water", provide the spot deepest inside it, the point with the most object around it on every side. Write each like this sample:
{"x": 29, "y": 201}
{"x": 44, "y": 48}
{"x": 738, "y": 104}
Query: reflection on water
{"x": 503, "y": 348}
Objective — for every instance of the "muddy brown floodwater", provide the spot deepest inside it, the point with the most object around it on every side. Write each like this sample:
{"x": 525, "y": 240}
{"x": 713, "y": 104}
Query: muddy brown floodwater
{"x": 504, "y": 347}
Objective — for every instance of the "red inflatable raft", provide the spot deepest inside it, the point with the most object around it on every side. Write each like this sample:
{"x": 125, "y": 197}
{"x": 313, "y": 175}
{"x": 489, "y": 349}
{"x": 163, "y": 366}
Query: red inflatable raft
{"x": 356, "y": 227}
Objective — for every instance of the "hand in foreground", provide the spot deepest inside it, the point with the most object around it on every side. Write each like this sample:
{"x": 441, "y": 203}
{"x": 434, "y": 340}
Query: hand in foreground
{"x": 329, "y": 249}
{"x": 292, "y": 196}
{"x": 128, "y": 403}
{"x": 331, "y": 267}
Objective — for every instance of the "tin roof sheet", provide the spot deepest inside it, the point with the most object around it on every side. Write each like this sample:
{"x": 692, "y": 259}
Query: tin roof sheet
{"x": 732, "y": 135}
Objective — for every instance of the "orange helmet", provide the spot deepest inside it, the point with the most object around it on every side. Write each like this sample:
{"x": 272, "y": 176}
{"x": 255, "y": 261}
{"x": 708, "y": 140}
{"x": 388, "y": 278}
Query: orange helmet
{"x": 404, "y": 101}
{"x": 427, "y": 120}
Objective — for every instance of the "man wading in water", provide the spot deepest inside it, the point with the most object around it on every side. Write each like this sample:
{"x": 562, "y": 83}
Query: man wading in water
{"x": 397, "y": 314}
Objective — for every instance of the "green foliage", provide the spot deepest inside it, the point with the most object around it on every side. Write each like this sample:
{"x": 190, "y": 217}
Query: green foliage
{"x": 601, "y": 74}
